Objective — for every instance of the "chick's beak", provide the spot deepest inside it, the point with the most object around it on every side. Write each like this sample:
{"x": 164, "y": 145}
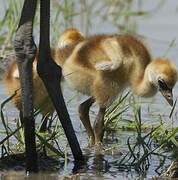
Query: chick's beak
{"x": 168, "y": 96}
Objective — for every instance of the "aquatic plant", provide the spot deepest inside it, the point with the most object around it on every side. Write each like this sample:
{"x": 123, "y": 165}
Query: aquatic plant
{"x": 13, "y": 142}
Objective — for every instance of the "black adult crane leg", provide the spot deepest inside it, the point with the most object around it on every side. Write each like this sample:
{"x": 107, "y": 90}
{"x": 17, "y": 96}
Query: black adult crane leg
{"x": 51, "y": 74}
{"x": 25, "y": 50}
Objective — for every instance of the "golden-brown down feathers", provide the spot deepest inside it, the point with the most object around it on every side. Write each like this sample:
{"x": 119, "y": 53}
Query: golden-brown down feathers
{"x": 102, "y": 66}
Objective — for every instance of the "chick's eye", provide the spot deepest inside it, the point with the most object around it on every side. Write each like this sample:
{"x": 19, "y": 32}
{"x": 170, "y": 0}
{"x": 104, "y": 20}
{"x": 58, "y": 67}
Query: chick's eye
{"x": 162, "y": 84}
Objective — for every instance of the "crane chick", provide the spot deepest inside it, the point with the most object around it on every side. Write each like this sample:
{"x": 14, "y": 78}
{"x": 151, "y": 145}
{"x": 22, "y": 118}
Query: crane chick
{"x": 103, "y": 66}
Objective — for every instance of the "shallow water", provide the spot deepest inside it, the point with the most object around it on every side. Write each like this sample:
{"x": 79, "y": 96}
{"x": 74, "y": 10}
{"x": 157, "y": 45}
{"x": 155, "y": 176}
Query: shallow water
{"x": 159, "y": 29}
{"x": 98, "y": 166}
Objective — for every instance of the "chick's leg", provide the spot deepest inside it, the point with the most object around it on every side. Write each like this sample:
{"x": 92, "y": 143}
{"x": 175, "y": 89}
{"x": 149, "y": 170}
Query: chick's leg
{"x": 99, "y": 126}
{"x": 84, "y": 117}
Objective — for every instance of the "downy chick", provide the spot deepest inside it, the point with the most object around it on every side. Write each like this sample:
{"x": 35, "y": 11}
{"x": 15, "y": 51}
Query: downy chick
{"x": 103, "y": 66}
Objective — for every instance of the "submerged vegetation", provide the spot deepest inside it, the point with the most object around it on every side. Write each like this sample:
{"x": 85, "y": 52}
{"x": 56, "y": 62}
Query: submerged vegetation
{"x": 147, "y": 140}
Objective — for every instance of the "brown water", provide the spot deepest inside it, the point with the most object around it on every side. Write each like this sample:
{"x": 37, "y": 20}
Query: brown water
{"x": 159, "y": 29}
